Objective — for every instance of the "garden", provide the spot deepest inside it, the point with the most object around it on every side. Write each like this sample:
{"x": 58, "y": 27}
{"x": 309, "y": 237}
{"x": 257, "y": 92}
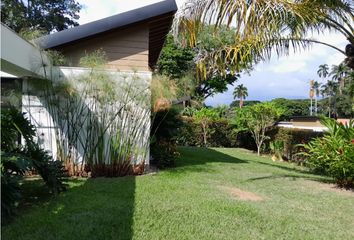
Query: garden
{"x": 148, "y": 159}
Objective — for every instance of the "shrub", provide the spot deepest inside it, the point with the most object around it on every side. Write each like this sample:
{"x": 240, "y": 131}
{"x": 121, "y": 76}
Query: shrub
{"x": 13, "y": 167}
{"x": 277, "y": 148}
{"x": 164, "y": 153}
{"x": 17, "y": 159}
{"x": 220, "y": 133}
{"x": 164, "y": 131}
{"x": 333, "y": 154}
{"x": 204, "y": 117}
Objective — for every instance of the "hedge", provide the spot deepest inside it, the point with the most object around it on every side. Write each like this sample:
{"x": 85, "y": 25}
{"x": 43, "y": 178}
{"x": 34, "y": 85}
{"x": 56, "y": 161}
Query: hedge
{"x": 221, "y": 134}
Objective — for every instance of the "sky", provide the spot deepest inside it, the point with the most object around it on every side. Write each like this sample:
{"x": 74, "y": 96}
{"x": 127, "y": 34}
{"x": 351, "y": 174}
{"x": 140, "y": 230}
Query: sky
{"x": 286, "y": 76}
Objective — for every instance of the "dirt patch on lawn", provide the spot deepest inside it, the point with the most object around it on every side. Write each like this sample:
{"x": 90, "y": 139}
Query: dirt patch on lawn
{"x": 240, "y": 194}
{"x": 330, "y": 187}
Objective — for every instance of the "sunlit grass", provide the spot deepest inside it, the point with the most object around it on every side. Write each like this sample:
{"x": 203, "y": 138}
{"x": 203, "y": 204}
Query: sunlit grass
{"x": 193, "y": 201}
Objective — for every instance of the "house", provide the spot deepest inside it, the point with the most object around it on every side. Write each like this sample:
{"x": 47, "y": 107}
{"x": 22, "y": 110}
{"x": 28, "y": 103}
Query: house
{"x": 303, "y": 122}
{"x": 131, "y": 40}
{"x": 308, "y": 123}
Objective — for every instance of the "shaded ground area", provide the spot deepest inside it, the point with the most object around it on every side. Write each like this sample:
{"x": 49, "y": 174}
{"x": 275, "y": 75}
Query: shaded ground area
{"x": 211, "y": 194}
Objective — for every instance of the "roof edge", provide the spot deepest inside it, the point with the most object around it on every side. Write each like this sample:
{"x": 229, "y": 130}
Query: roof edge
{"x": 107, "y": 24}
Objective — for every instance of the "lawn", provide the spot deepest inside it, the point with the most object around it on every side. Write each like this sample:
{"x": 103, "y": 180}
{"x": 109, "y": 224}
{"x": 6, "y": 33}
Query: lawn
{"x": 211, "y": 194}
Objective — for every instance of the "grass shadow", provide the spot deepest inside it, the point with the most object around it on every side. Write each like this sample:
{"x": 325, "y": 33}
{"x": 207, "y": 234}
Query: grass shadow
{"x": 192, "y": 157}
{"x": 293, "y": 178}
{"x": 286, "y": 168}
{"x": 100, "y": 208}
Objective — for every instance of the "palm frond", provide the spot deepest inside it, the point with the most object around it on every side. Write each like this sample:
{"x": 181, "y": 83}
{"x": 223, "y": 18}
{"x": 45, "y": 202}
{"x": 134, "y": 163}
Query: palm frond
{"x": 261, "y": 27}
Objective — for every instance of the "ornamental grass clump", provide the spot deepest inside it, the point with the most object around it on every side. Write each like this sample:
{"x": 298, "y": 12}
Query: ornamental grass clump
{"x": 100, "y": 118}
{"x": 333, "y": 154}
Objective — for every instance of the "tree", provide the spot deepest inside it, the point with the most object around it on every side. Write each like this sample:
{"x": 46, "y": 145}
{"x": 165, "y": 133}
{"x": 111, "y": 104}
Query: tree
{"x": 46, "y": 15}
{"x": 257, "y": 119}
{"x": 263, "y": 27}
{"x": 329, "y": 89}
{"x": 291, "y": 107}
{"x": 338, "y": 91}
{"x": 316, "y": 88}
{"x": 236, "y": 103}
{"x": 323, "y": 71}
{"x": 204, "y": 117}
{"x": 175, "y": 61}
{"x": 241, "y": 93}
{"x": 338, "y": 74}
{"x": 311, "y": 95}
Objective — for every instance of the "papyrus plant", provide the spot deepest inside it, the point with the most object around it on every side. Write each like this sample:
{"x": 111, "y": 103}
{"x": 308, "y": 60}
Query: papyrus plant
{"x": 101, "y": 118}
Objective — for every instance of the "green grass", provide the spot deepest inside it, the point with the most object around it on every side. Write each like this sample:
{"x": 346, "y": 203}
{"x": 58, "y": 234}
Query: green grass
{"x": 188, "y": 202}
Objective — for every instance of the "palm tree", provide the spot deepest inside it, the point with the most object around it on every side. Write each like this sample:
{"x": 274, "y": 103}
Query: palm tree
{"x": 329, "y": 90}
{"x": 262, "y": 27}
{"x": 323, "y": 71}
{"x": 241, "y": 93}
{"x": 312, "y": 93}
{"x": 338, "y": 74}
{"x": 316, "y": 88}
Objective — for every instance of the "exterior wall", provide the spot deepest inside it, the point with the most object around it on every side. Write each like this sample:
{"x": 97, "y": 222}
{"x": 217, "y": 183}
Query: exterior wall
{"x": 307, "y": 124}
{"x": 47, "y": 127}
{"x": 19, "y": 57}
{"x": 126, "y": 49}
{"x": 314, "y": 126}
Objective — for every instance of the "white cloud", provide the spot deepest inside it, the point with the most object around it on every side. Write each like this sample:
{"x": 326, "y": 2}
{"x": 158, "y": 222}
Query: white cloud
{"x": 288, "y": 66}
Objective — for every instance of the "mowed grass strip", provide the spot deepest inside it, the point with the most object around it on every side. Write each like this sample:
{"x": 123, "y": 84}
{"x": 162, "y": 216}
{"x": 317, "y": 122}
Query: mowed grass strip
{"x": 211, "y": 194}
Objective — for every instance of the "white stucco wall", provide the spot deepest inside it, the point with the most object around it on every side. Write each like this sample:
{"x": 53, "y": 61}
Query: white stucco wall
{"x": 20, "y": 57}
{"x": 41, "y": 118}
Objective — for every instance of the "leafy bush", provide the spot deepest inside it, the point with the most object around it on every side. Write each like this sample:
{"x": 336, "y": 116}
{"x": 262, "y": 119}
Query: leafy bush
{"x": 220, "y": 133}
{"x": 17, "y": 159}
{"x": 333, "y": 154}
{"x": 52, "y": 172}
{"x": 13, "y": 167}
{"x": 277, "y": 148}
{"x": 204, "y": 117}
{"x": 164, "y": 153}
{"x": 164, "y": 131}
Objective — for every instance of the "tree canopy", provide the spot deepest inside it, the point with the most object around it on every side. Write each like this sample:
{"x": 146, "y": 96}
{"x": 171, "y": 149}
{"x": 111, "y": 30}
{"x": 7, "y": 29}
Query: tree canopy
{"x": 177, "y": 61}
{"x": 257, "y": 119}
{"x": 46, "y": 15}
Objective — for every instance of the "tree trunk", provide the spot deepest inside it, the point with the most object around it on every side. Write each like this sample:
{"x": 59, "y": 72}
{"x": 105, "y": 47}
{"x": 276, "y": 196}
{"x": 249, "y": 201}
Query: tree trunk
{"x": 259, "y": 150}
{"x": 241, "y": 102}
{"x": 329, "y": 106}
{"x": 204, "y": 135}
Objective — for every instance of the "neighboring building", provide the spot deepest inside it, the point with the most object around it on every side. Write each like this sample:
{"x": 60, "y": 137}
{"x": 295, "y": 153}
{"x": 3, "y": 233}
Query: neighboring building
{"x": 131, "y": 40}
{"x": 307, "y": 123}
